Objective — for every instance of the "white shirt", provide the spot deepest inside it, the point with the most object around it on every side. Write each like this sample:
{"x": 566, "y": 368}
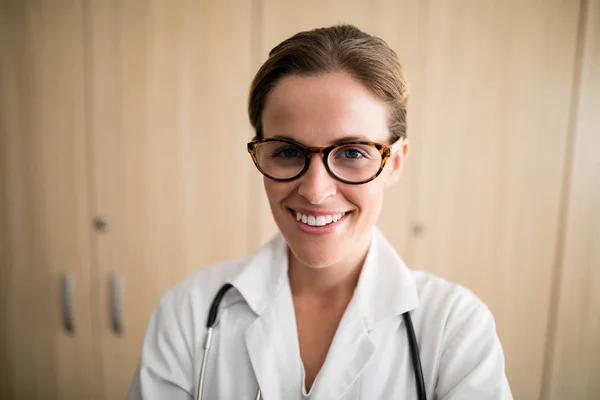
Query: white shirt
{"x": 256, "y": 342}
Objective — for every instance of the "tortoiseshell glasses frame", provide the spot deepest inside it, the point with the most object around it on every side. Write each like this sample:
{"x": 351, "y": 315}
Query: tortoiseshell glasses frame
{"x": 385, "y": 151}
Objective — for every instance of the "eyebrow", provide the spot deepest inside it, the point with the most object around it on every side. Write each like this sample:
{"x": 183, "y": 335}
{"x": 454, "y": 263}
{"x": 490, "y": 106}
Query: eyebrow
{"x": 343, "y": 140}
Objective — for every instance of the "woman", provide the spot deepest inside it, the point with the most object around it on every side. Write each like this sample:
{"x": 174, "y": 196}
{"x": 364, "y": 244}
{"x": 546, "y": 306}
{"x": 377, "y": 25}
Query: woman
{"x": 322, "y": 311}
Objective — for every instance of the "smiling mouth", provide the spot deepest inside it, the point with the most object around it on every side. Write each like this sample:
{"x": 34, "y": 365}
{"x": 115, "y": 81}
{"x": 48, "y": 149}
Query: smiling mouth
{"x": 317, "y": 220}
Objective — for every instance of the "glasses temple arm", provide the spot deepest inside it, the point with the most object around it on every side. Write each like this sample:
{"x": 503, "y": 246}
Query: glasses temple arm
{"x": 396, "y": 145}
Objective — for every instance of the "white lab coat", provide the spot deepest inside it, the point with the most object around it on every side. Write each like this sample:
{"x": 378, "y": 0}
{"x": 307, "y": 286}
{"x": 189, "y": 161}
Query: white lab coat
{"x": 256, "y": 342}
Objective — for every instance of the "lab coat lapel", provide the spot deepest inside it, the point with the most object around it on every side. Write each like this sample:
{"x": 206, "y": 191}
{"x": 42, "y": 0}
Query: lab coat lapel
{"x": 271, "y": 339}
{"x": 272, "y": 346}
{"x": 350, "y": 351}
{"x": 385, "y": 290}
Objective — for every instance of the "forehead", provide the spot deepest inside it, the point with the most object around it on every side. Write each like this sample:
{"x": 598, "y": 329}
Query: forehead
{"x": 319, "y": 110}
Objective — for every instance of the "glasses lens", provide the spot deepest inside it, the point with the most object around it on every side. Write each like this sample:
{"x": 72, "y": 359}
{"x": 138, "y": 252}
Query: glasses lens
{"x": 280, "y": 160}
{"x": 355, "y": 162}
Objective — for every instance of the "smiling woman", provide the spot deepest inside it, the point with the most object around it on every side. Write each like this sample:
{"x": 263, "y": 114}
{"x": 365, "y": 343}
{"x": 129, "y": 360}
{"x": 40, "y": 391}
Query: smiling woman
{"x": 327, "y": 309}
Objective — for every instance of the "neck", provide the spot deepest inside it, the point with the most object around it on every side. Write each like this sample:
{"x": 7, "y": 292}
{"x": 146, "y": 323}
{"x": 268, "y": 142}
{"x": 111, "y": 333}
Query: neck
{"x": 334, "y": 284}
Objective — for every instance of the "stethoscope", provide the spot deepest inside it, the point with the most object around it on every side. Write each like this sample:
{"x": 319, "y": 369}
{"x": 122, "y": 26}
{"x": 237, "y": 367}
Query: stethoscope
{"x": 212, "y": 317}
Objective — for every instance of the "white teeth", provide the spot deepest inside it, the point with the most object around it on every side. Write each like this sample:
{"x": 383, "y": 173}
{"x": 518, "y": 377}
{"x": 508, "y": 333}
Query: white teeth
{"x": 320, "y": 220}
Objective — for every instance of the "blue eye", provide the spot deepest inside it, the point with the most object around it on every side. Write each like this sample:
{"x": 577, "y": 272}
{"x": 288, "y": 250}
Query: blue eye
{"x": 352, "y": 153}
{"x": 287, "y": 152}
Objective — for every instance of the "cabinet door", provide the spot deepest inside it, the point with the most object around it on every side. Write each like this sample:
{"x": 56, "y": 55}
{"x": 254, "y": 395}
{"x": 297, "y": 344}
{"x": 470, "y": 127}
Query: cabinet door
{"x": 169, "y": 127}
{"x": 495, "y": 83}
{"x": 45, "y": 228}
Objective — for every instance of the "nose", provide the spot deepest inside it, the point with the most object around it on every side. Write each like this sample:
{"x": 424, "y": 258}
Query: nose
{"x": 316, "y": 185}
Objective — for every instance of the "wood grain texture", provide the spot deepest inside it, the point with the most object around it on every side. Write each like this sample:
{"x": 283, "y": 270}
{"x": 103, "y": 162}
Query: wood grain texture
{"x": 45, "y": 214}
{"x": 573, "y": 366}
{"x": 169, "y": 85}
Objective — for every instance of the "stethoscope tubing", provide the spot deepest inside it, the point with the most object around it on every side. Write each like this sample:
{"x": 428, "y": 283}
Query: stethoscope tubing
{"x": 416, "y": 359}
{"x": 210, "y": 323}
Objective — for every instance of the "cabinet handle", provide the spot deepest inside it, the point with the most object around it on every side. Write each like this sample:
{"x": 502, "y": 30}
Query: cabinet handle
{"x": 67, "y": 307}
{"x": 116, "y": 295}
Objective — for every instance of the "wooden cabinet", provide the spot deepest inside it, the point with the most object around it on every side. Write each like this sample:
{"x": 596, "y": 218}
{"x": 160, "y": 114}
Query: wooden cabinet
{"x": 44, "y": 203}
{"x": 168, "y": 128}
{"x": 132, "y": 115}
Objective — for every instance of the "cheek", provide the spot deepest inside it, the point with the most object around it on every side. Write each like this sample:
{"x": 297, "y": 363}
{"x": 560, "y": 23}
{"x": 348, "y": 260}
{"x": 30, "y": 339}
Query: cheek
{"x": 368, "y": 198}
{"x": 276, "y": 191}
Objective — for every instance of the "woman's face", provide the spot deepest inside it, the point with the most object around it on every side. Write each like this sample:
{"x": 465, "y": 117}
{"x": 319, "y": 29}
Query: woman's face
{"x": 318, "y": 111}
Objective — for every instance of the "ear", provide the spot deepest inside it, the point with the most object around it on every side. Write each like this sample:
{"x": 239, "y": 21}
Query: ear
{"x": 395, "y": 164}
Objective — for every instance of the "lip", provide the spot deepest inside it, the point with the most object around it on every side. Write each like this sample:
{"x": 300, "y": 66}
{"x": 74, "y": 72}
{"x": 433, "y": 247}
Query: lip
{"x": 319, "y": 230}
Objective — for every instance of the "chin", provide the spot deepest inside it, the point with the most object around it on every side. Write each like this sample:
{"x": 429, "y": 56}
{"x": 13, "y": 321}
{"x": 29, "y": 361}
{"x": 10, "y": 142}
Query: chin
{"x": 313, "y": 257}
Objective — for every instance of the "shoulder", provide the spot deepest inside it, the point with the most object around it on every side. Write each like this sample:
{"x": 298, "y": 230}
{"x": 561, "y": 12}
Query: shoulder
{"x": 462, "y": 345}
{"x": 449, "y": 313}
{"x": 444, "y": 298}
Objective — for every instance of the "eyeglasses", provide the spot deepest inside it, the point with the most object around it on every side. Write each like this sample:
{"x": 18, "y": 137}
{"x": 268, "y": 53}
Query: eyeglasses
{"x": 354, "y": 162}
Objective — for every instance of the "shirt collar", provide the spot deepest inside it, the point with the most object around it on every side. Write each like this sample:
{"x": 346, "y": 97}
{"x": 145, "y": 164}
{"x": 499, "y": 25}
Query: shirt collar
{"x": 386, "y": 287}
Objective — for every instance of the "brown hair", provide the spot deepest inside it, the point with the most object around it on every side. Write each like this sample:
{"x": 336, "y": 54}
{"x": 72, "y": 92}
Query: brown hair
{"x": 338, "y": 48}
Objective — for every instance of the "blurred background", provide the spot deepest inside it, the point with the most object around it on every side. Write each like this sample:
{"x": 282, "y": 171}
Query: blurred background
{"x": 123, "y": 169}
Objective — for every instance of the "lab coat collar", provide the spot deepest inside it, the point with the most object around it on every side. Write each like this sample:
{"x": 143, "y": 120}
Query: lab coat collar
{"x": 386, "y": 287}
{"x": 264, "y": 275}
